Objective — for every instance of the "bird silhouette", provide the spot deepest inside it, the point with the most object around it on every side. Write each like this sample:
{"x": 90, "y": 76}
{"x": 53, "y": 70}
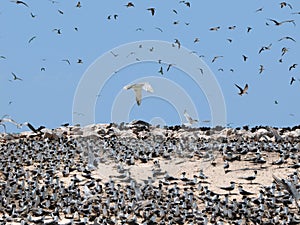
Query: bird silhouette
{"x": 31, "y": 39}
{"x": 138, "y": 90}
{"x": 293, "y": 66}
{"x": 152, "y": 10}
{"x": 21, "y": 2}
{"x": 129, "y": 4}
{"x": 242, "y": 90}
{"x": 15, "y": 76}
{"x": 284, "y": 4}
{"x": 287, "y": 38}
{"x": 282, "y": 22}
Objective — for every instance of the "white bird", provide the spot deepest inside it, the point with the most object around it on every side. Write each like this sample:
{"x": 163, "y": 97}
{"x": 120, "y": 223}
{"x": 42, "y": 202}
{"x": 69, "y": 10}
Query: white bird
{"x": 8, "y": 120}
{"x": 138, "y": 90}
{"x": 190, "y": 120}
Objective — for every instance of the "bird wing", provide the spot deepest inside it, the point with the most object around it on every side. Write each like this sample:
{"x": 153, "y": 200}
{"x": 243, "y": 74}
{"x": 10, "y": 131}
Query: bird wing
{"x": 127, "y": 87}
{"x": 241, "y": 90}
{"x": 246, "y": 88}
{"x": 147, "y": 87}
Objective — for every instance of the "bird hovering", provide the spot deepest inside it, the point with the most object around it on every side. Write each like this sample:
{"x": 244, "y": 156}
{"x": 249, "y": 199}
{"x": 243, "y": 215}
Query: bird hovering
{"x": 242, "y": 91}
{"x": 190, "y": 120}
{"x": 138, "y": 90}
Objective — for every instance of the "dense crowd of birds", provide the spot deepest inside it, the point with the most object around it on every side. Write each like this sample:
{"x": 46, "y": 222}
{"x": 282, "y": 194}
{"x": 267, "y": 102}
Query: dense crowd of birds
{"x": 51, "y": 177}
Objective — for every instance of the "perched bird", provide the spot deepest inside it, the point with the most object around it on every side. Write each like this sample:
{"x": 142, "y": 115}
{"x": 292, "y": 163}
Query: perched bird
{"x": 229, "y": 188}
{"x": 138, "y": 90}
{"x": 190, "y": 120}
{"x": 152, "y": 10}
{"x": 250, "y": 178}
{"x": 242, "y": 91}
{"x": 15, "y": 76}
{"x": 244, "y": 192}
{"x": 21, "y": 2}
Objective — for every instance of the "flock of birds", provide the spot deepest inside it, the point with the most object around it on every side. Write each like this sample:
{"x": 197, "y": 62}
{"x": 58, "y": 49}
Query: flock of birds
{"x": 52, "y": 177}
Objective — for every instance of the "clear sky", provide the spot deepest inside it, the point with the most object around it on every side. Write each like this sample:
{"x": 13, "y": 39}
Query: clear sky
{"x": 46, "y": 92}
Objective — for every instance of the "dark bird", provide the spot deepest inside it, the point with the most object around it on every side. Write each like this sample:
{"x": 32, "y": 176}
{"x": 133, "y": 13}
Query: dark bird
{"x": 259, "y": 10}
{"x": 78, "y": 5}
{"x": 264, "y": 48}
{"x": 188, "y": 4}
{"x": 292, "y": 80}
{"x": 115, "y": 16}
{"x": 245, "y": 58}
{"x": 152, "y": 10}
{"x": 58, "y": 31}
{"x": 43, "y": 69}
{"x": 20, "y": 2}
{"x": 61, "y": 12}
{"x": 214, "y": 28}
{"x": 2, "y": 57}
{"x": 287, "y": 38}
{"x": 31, "y": 39}
{"x": 284, "y": 50}
{"x": 242, "y": 91}
{"x": 174, "y": 11}
{"x": 244, "y": 192}
{"x": 15, "y": 76}
{"x": 161, "y": 71}
{"x": 216, "y": 57}
{"x": 158, "y": 28}
{"x": 284, "y": 4}
{"x": 169, "y": 66}
{"x": 229, "y": 188}
{"x": 32, "y": 15}
{"x": 79, "y": 61}
{"x": 249, "y": 29}
{"x": 250, "y": 178}
{"x": 261, "y": 69}
{"x": 230, "y": 40}
{"x": 282, "y": 22}
{"x": 177, "y": 42}
{"x": 293, "y": 66}
{"x": 38, "y": 130}
{"x": 196, "y": 40}
{"x": 232, "y": 27}
{"x": 129, "y": 4}
{"x": 66, "y": 60}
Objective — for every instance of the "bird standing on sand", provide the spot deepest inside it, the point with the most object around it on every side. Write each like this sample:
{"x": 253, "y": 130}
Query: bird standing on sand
{"x": 138, "y": 90}
{"x": 229, "y": 188}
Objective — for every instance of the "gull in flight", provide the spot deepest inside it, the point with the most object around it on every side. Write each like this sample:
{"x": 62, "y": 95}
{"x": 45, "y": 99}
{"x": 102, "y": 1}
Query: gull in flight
{"x": 242, "y": 90}
{"x": 138, "y": 90}
{"x": 8, "y": 120}
{"x": 190, "y": 120}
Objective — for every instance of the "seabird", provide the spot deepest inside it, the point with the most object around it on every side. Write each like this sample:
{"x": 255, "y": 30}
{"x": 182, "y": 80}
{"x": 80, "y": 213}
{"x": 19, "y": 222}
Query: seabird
{"x": 152, "y": 10}
{"x": 244, "y": 192}
{"x": 229, "y": 188}
{"x": 138, "y": 90}
{"x": 242, "y": 91}
{"x": 190, "y": 120}
{"x": 15, "y": 76}
{"x": 250, "y": 178}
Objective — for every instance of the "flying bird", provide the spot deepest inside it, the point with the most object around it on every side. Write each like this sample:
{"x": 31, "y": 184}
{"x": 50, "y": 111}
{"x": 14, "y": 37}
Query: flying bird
{"x": 31, "y": 39}
{"x": 284, "y": 4}
{"x": 261, "y": 69}
{"x": 242, "y": 90}
{"x": 152, "y": 10}
{"x": 129, "y": 4}
{"x": 138, "y": 90}
{"x": 293, "y": 66}
{"x": 15, "y": 76}
{"x": 259, "y": 10}
{"x": 245, "y": 58}
{"x": 216, "y": 57}
{"x": 61, "y": 12}
{"x": 66, "y": 60}
{"x": 287, "y": 38}
{"x": 38, "y": 130}
{"x": 158, "y": 28}
{"x": 78, "y": 5}
{"x": 292, "y": 80}
{"x": 282, "y": 22}
{"x": 190, "y": 120}
{"x": 21, "y": 2}
{"x": 161, "y": 71}
{"x": 214, "y": 28}
{"x": 32, "y": 15}
{"x": 196, "y": 40}
{"x": 249, "y": 29}
{"x": 284, "y": 50}
{"x": 177, "y": 42}
{"x": 264, "y": 48}
{"x": 232, "y": 27}
{"x": 58, "y": 31}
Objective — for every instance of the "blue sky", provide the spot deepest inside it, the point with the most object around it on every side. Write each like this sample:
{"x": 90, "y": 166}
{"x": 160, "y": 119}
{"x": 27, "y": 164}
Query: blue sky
{"x": 46, "y": 97}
